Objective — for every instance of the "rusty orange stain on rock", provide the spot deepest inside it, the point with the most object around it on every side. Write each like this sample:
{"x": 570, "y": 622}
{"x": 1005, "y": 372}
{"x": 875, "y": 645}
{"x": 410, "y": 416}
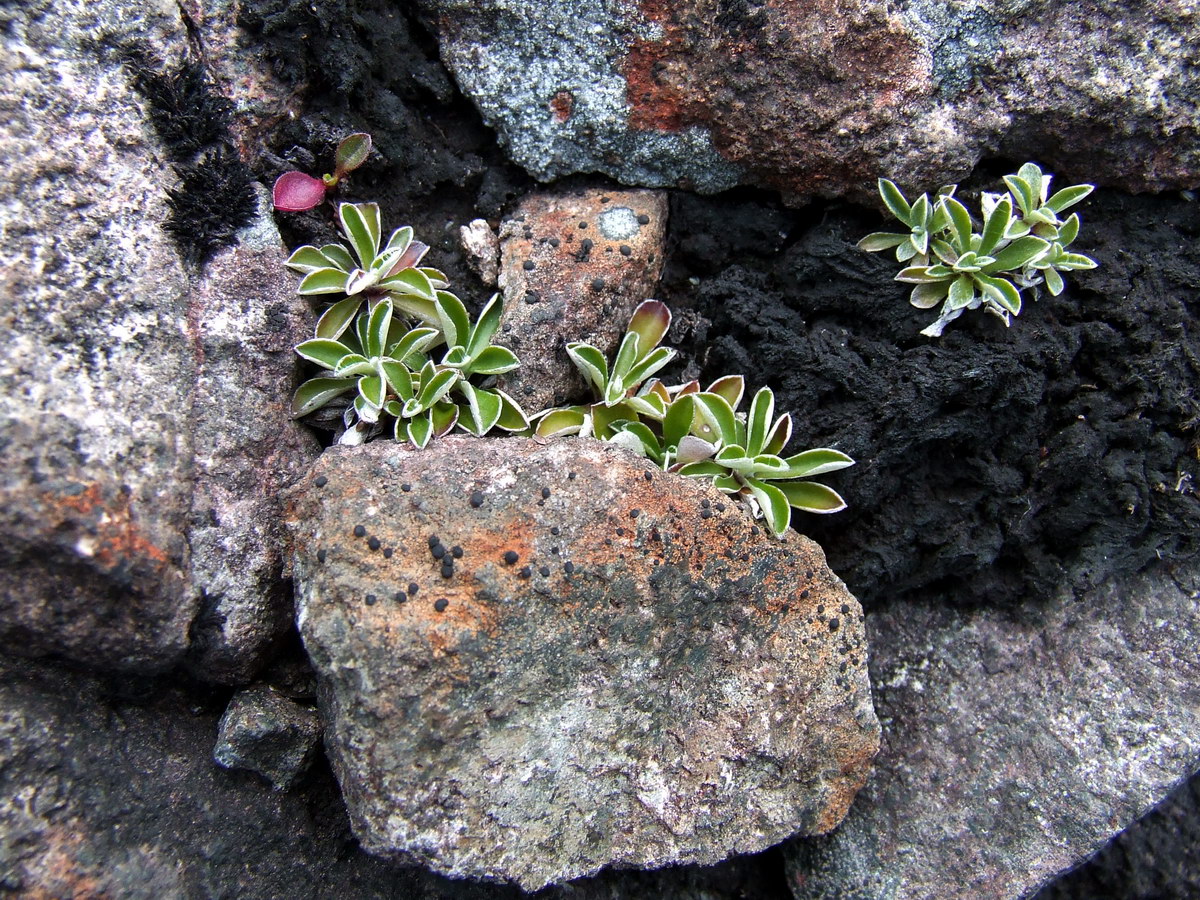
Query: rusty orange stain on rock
{"x": 562, "y": 105}
{"x": 111, "y": 537}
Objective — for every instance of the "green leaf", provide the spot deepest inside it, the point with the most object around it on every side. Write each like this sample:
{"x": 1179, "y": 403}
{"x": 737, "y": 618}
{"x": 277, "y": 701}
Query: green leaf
{"x": 338, "y": 256}
{"x": 323, "y": 281}
{"x": 494, "y": 361}
{"x": 962, "y": 292}
{"x": 1031, "y": 174}
{"x": 727, "y": 483}
{"x": 1002, "y": 291}
{"x": 416, "y": 340}
{"x": 918, "y": 275}
{"x": 649, "y": 404}
{"x": 1069, "y": 196}
{"x": 815, "y": 462}
{"x": 704, "y": 469}
{"x": 412, "y": 282}
{"x": 760, "y": 420}
{"x": 398, "y": 378}
{"x": 1019, "y": 253}
{"x": 894, "y": 200}
{"x": 768, "y": 465}
{"x": 715, "y": 411}
{"x": 731, "y": 387}
{"x": 627, "y": 355}
{"x": 1023, "y": 192}
{"x": 400, "y": 239}
{"x": 483, "y": 407}
{"x": 378, "y": 326}
{"x": 1076, "y": 261}
{"x": 693, "y": 449}
{"x": 323, "y": 352}
{"x": 307, "y": 259}
{"x": 647, "y": 366}
{"x": 437, "y": 387}
{"x": 643, "y": 442}
{"x": 1069, "y": 230}
{"x": 485, "y": 326}
{"x": 512, "y": 417}
{"x": 773, "y": 503}
{"x": 443, "y": 416}
{"x": 456, "y": 357}
{"x": 649, "y": 322}
{"x": 352, "y": 152}
{"x": 996, "y": 226}
{"x": 561, "y": 421}
{"x": 418, "y": 308}
{"x": 780, "y": 434}
{"x": 372, "y": 389}
{"x": 960, "y": 223}
{"x": 316, "y": 392}
{"x": 357, "y": 220}
{"x": 420, "y": 429}
{"x": 354, "y": 364}
{"x": 812, "y": 497}
{"x": 678, "y": 421}
{"x": 335, "y": 320}
{"x": 1054, "y": 282}
{"x": 455, "y": 322}
{"x": 591, "y": 364}
{"x": 927, "y": 296}
{"x": 881, "y": 240}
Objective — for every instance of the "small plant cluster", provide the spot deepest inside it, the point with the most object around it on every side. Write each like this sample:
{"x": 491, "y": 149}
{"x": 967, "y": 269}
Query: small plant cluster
{"x": 298, "y": 192}
{"x": 697, "y": 433}
{"x": 398, "y": 341}
{"x": 1022, "y": 243}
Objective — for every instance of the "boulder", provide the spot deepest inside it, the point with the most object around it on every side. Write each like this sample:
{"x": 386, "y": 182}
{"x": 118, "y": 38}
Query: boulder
{"x": 268, "y": 734}
{"x": 536, "y": 660}
{"x": 143, "y": 405}
{"x": 823, "y": 98}
{"x": 1016, "y": 742}
{"x": 573, "y": 267}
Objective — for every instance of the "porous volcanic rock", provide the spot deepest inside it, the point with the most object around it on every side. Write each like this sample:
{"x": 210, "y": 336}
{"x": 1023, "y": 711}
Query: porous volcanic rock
{"x": 1015, "y": 742}
{"x": 822, "y": 98}
{"x": 573, "y": 267}
{"x": 143, "y": 424}
{"x": 538, "y": 660}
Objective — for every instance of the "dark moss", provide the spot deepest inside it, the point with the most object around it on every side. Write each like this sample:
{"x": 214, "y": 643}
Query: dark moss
{"x": 214, "y": 198}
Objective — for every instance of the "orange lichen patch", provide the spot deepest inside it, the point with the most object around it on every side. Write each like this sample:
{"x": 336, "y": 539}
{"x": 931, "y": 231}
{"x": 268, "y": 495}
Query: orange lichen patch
{"x": 58, "y": 874}
{"x": 108, "y": 533}
{"x": 562, "y": 105}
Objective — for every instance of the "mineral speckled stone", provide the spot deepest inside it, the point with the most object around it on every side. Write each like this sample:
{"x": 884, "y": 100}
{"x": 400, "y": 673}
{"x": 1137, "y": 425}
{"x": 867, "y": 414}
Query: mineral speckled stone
{"x": 667, "y": 702}
{"x": 585, "y": 289}
{"x": 1016, "y": 743}
{"x": 267, "y": 733}
{"x": 823, "y": 98}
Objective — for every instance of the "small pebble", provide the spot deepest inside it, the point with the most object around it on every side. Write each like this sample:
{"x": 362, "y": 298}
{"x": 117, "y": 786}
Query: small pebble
{"x": 412, "y": 589}
{"x": 441, "y": 605}
{"x": 360, "y": 531}
{"x": 477, "y": 499}
{"x": 371, "y": 599}
{"x": 320, "y": 481}
{"x": 511, "y": 556}
{"x": 545, "y": 493}
{"x": 456, "y": 551}
{"x": 406, "y": 487}
{"x": 373, "y": 543}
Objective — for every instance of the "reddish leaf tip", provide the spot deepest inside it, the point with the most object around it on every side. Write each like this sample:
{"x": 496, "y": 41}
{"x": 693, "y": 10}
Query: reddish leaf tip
{"x": 297, "y": 192}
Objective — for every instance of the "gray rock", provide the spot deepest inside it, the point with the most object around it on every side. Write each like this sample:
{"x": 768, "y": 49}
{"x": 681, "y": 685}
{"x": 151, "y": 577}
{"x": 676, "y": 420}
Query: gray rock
{"x": 604, "y": 676}
{"x": 823, "y": 98}
{"x": 1016, "y": 742}
{"x": 143, "y": 420}
{"x": 269, "y": 735}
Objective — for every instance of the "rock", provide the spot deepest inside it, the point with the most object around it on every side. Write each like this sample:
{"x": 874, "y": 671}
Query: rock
{"x": 269, "y": 735}
{"x": 143, "y": 423}
{"x": 1015, "y": 742}
{"x": 823, "y": 98}
{"x": 601, "y": 676}
{"x": 482, "y": 249}
{"x": 573, "y": 268}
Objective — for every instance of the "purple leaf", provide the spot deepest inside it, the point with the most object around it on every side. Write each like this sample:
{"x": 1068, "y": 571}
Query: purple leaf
{"x": 296, "y": 192}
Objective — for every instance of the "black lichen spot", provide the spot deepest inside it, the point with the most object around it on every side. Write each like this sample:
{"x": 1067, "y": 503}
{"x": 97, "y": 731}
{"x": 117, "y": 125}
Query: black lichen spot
{"x": 555, "y": 530}
{"x": 387, "y": 552}
{"x": 570, "y": 476}
{"x": 620, "y": 532}
{"x": 649, "y": 476}
{"x": 643, "y": 219}
{"x": 755, "y": 530}
{"x": 186, "y": 114}
{"x": 820, "y": 607}
{"x": 544, "y": 571}
{"x": 400, "y": 597}
{"x": 569, "y": 568}
{"x": 320, "y": 481}
{"x": 833, "y": 624}
{"x": 510, "y": 557}
{"x": 477, "y": 499}
{"x": 360, "y": 531}
{"x": 545, "y": 493}
{"x": 634, "y": 513}
{"x": 626, "y": 250}
{"x": 706, "y": 513}
{"x": 554, "y": 242}
{"x": 456, "y": 551}
{"x": 532, "y": 297}
{"x": 406, "y": 487}
{"x": 845, "y": 609}
{"x": 371, "y": 598}
{"x": 441, "y": 604}
{"x": 597, "y": 283}
{"x": 321, "y": 556}
{"x": 583, "y": 225}
{"x": 412, "y": 589}
{"x": 720, "y": 507}
{"x": 705, "y": 503}
{"x": 373, "y": 543}
{"x": 526, "y": 572}
{"x": 447, "y": 568}
{"x": 529, "y": 265}
{"x": 433, "y": 541}
{"x": 438, "y": 551}
{"x": 214, "y": 198}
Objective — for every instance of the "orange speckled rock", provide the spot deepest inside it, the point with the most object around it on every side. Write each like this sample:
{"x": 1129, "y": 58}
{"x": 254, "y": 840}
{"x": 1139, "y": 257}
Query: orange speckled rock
{"x": 573, "y": 267}
{"x": 617, "y": 667}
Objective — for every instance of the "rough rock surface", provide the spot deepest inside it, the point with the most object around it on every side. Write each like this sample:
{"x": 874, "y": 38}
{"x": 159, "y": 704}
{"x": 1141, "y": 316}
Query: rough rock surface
{"x": 598, "y": 671}
{"x": 1015, "y": 742}
{"x": 822, "y": 98}
{"x": 141, "y": 472}
{"x": 268, "y": 734}
{"x": 573, "y": 267}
